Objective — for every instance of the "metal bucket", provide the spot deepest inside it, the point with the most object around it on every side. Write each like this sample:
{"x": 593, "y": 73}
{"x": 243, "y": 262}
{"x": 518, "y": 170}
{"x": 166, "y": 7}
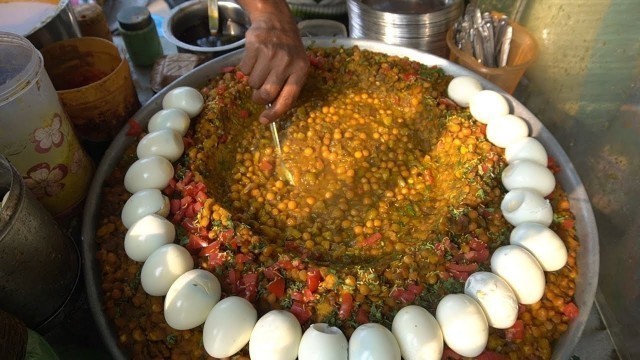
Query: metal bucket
{"x": 39, "y": 264}
{"x": 58, "y": 24}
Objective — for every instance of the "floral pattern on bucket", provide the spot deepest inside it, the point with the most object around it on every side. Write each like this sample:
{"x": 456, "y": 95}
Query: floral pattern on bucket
{"x": 48, "y": 136}
{"x": 44, "y": 180}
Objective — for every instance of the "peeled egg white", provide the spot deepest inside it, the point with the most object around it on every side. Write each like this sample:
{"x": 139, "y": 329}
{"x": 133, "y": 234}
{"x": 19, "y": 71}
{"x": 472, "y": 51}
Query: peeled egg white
{"x": 190, "y": 299}
{"x": 184, "y": 98}
{"x": 166, "y": 143}
{"x": 174, "y": 119}
{"x": 321, "y": 342}
{"x": 530, "y": 175}
{"x": 525, "y": 205}
{"x": 143, "y": 203}
{"x": 496, "y": 298}
{"x": 504, "y": 130}
{"x": 464, "y": 326}
{"x": 462, "y": 88}
{"x": 373, "y": 342}
{"x": 543, "y": 243}
{"x": 521, "y": 271}
{"x": 228, "y": 326}
{"x": 527, "y": 148}
{"x": 146, "y": 235}
{"x": 276, "y": 336}
{"x": 487, "y": 105}
{"x": 163, "y": 267}
{"x": 153, "y": 172}
{"x": 418, "y": 334}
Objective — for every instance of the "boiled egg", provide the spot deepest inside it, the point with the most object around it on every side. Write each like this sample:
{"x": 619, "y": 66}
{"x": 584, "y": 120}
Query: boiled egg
{"x": 163, "y": 267}
{"x": 146, "y": 235}
{"x": 190, "y": 299}
{"x": 543, "y": 243}
{"x": 462, "y": 88}
{"x": 373, "y": 342}
{"x": 530, "y": 175}
{"x": 173, "y": 119}
{"x": 184, "y": 98}
{"x": 487, "y": 105}
{"x": 496, "y": 298}
{"x": 418, "y": 334}
{"x": 464, "y": 326}
{"x": 153, "y": 172}
{"x": 143, "y": 203}
{"x": 526, "y": 148}
{"x": 526, "y": 205}
{"x": 506, "y": 129}
{"x": 228, "y": 326}
{"x": 166, "y": 143}
{"x": 521, "y": 271}
{"x": 276, "y": 336}
{"x": 321, "y": 342}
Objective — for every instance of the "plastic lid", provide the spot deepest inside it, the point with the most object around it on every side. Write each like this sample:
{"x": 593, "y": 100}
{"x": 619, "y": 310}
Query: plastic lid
{"x": 134, "y": 18}
{"x": 18, "y": 63}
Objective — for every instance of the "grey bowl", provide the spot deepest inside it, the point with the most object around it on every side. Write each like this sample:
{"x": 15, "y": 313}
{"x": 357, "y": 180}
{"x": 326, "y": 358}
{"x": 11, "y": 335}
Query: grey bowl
{"x": 588, "y": 255}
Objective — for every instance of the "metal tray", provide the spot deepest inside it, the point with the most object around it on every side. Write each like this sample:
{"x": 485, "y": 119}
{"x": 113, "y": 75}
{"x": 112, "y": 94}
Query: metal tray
{"x": 588, "y": 256}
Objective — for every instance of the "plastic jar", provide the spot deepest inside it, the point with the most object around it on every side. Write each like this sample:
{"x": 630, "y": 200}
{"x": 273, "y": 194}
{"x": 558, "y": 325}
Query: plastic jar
{"x": 140, "y": 35}
{"x": 35, "y": 132}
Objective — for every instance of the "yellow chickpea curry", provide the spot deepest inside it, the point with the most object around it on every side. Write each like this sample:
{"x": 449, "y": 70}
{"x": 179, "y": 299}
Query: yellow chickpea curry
{"x": 396, "y": 201}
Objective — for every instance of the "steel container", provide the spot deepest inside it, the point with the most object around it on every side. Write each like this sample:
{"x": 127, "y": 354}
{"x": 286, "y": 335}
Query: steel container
{"x": 588, "y": 255}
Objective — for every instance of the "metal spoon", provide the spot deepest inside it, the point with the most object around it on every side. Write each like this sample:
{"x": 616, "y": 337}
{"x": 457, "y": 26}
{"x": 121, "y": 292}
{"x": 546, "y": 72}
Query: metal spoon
{"x": 214, "y": 24}
{"x": 281, "y": 168}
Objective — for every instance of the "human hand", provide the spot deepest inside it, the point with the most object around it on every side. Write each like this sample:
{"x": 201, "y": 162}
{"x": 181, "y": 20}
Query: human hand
{"x": 275, "y": 59}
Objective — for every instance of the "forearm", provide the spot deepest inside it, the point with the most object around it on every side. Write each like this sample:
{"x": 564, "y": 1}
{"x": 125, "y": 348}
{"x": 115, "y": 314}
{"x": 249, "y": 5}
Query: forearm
{"x": 257, "y": 9}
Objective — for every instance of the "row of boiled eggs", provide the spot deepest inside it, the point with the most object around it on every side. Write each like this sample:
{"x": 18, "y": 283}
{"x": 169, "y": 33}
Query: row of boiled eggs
{"x": 192, "y": 296}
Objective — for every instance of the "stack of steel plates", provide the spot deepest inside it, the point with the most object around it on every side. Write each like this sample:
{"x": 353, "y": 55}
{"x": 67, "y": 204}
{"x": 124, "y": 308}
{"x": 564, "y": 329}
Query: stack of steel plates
{"x": 416, "y": 24}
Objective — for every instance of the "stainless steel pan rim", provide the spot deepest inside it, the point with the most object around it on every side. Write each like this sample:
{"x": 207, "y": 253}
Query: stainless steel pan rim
{"x": 588, "y": 256}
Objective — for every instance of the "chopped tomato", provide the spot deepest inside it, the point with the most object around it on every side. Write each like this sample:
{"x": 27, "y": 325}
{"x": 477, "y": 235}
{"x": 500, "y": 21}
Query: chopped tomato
{"x": 226, "y": 235}
{"x": 516, "y": 332}
{"x": 134, "y": 128}
{"x": 372, "y": 240}
{"x": 314, "y": 278}
{"x": 362, "y": 316}
{"x": 571, "y": 311}
{"x": 462, "y": 267}
{"x": 196, "y": 242}
{"x": 346, "y": 306}
{"x": 250, "y": 286}
{"x": 276, "y": 287}
{"x": 301, "y": 312}
{"x": 212, "y": 248}
{"x": 240, "y": 75}
{"x": 406, "y": 296}
{"x": 553, "y": 165}
{"x": 265, "y": 166}
{"x": 568, "y": 224}
{"x": 243, "y": 113}
{"x": 409, "y": 77}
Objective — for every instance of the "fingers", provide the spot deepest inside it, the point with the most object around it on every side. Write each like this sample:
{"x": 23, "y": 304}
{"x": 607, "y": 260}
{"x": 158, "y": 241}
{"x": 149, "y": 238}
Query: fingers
{"x": 285, "y": 99}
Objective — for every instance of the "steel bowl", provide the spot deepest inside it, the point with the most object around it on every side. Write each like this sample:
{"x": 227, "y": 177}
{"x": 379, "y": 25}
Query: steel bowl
{"x": 188, "y": 24}
{"x": 588, "y": 255}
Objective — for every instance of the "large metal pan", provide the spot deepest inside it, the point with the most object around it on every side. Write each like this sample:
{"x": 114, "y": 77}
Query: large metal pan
{"x": 588, "y": 256}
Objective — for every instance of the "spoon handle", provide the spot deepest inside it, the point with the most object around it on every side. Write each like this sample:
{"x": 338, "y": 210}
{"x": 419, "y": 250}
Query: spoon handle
{"x": 212, "y": 6}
